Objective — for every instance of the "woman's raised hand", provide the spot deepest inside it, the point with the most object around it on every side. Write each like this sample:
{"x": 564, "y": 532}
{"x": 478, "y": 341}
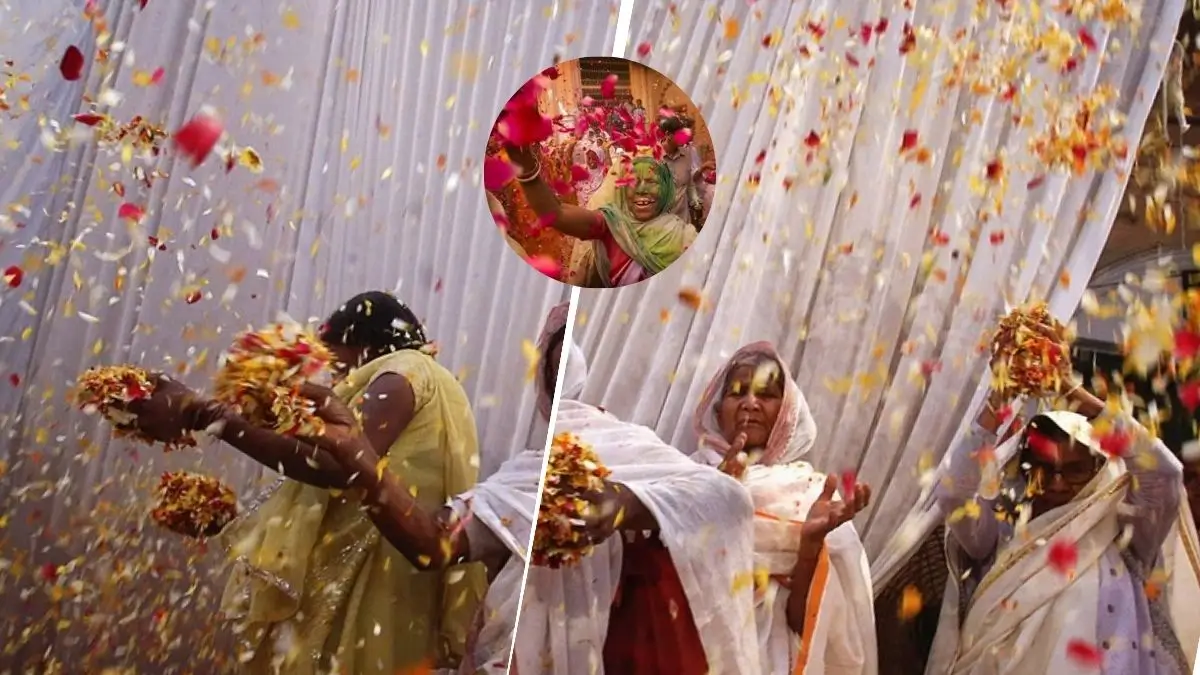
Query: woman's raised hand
{"x": 607, "y": 510}
{"x": 734, "y": 462}
{"x": 828, "y": 514}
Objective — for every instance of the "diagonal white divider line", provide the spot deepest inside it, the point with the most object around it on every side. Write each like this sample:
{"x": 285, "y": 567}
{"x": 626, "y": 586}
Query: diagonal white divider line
{"x": 620, "y": 42}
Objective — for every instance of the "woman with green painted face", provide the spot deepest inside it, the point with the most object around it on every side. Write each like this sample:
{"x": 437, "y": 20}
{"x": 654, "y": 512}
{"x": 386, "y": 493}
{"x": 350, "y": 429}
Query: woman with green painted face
{"x": 630, "y": 231}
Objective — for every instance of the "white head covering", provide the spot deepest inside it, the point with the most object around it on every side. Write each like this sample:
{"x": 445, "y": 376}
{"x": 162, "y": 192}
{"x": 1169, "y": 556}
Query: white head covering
{"x": 576, "y": 373}
{"x": 795, "y": 430}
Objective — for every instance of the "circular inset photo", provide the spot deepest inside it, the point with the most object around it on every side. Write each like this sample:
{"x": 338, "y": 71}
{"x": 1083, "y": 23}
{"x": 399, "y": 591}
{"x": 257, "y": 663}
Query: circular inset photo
{"x": 600, "y": 172}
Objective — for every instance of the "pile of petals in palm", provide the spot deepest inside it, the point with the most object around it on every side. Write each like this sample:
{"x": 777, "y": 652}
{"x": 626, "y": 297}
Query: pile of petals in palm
{"x": 193, "y": 505}
{"x": 261, "y": 375}
{"x": 1030, "y": 352}
{"x": 572, "y": 470}
{"x": 108, "y": 390}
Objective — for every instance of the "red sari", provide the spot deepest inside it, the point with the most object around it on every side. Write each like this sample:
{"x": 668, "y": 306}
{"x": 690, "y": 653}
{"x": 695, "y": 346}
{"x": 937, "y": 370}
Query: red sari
{"x": 650, "y": 629}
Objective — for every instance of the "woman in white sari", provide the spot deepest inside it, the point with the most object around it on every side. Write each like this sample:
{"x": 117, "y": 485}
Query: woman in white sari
{"x": 1058, "y": 547}
{"x": 584, "y": 618}
{"x": 801, "y": 535}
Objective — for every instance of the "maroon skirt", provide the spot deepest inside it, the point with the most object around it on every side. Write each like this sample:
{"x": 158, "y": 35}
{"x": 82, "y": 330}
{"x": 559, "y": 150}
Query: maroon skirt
{"x": 651, "y": 630}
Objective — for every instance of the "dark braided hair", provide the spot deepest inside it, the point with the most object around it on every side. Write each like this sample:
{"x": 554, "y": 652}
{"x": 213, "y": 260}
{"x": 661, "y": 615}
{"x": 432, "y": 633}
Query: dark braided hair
{"x": 375, "y": 322}
{"x": 549, "y": 378}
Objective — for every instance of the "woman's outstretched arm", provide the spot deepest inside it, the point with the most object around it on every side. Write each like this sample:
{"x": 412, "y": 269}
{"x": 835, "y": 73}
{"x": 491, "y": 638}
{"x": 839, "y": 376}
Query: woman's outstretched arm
{"x": 571, "y": 220}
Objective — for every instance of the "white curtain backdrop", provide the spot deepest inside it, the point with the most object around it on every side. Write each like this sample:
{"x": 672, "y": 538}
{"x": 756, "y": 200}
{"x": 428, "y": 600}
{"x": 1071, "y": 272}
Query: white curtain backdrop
{"x": 371, "y": 118}
{"x": 831, "y": 270}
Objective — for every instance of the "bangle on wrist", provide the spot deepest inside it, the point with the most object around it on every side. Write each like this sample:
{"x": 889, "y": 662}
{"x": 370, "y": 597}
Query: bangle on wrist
{"x": 531, "y": 176}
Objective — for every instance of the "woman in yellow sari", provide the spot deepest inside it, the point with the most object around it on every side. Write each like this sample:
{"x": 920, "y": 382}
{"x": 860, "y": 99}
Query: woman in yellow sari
{"x": 316, "y": 589}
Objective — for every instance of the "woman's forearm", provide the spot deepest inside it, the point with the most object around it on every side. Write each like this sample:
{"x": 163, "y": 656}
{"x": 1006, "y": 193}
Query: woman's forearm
{"x": 634, "y": 516}
{"x": 428, "y": 540}
{"x": 293, "y": 458}
{"x": 802, "y": 577}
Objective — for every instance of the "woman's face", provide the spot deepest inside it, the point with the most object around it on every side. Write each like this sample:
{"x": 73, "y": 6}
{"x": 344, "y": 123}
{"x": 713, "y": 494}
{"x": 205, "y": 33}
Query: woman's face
{"x": 750, "y": 402}
{"x": 1060, "y": 467}
{"x": 644, "y": 193}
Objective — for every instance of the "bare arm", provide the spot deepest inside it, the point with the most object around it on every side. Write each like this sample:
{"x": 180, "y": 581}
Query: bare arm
{"x": 571, "y": 220}
{"x": 291, "y": 457}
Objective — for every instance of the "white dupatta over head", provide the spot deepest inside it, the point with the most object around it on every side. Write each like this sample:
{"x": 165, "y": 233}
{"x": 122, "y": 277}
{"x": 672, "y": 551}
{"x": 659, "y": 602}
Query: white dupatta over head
{"x": 839, "y": 634}
{"x": 704, "y": 520}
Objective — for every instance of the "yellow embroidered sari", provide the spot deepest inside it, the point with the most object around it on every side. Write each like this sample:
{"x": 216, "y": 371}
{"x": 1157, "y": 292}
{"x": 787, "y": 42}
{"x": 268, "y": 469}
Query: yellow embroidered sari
{"x": 317, "y": 590}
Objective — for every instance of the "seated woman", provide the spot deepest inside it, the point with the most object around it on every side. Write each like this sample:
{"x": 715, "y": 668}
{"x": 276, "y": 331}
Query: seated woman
{"x": 633, "y": 233}
{"x": 1055, "y": 544}
{"x": 813, "y": 608}
{"x": 667, "y": 589}
{"x": 317, "y": 589}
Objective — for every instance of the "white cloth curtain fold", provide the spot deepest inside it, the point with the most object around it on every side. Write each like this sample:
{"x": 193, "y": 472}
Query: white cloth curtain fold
{"x": 825, "y": 257}
{"x": 370, "y": 118}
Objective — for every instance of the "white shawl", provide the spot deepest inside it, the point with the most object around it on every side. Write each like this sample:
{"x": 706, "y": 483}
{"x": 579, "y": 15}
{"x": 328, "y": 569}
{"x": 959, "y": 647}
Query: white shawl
{"x": 839, "y": 635}
{"x": 705, "y": 524}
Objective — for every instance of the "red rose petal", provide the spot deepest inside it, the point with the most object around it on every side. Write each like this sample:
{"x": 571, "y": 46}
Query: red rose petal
{"x": 561, "y": 187}
{"x": 131, "y": 212}
{"x": 13, "y": 276}
{"x": 523, "y": 126}
{"x": 813, "y": 139}
{"x": 1042, "y": 446}
{"x": 1089, "y": 42}
{"x": 497, "y": 173}
{"x": 909, "y": 140}
{"x": 90, "y": 119}
{"x": 608, "y": 88}
{"x": 14, "y": 379}
{"x": 848, "y": 479}
{"x": 1085, "y": 654}
{"x": 157, "y": 76}
{"x": 193, "y": 297}
{"x": 996, "y": 238}
{"x": 643, "y": 50}
{"x": 1116, "y": 443}
{"x": 49, "y": 572}
{"x": 71, "y": 65}
{"x": 1189, "y": 395}
{"x": 197, "y": 138}
{"x": 551, "y": 73}
{"x": 1187, "y": 344}
{"x": 1062, "y": 556}
{"x": 683, "y": 136}
{"x": 579, "y": 172}
{"x": 546, "y": 265}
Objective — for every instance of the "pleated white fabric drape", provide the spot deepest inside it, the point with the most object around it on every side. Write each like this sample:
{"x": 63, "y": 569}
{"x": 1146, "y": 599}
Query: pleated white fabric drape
{"x": 817, "y": 238}
{"x": 371, "y": 119}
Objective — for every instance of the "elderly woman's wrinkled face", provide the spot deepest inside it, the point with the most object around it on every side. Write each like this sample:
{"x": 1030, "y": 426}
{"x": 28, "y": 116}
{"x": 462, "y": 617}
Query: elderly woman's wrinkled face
{"x": 750, "y": 402}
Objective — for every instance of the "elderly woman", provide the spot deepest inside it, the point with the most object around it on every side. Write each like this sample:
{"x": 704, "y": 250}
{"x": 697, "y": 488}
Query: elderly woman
{"x": 667, "y": 589}
{"x": 634, "y": 234}
{"x": 814, "y": 603}
{"x": 1055, "y": 544}
{"x": 317, "y": 589}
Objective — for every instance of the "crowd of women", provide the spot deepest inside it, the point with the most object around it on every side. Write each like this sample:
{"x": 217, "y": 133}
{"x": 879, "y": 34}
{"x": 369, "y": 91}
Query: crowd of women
{"x": 1063, "y": 555}
{"x": 379, "y": 552}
